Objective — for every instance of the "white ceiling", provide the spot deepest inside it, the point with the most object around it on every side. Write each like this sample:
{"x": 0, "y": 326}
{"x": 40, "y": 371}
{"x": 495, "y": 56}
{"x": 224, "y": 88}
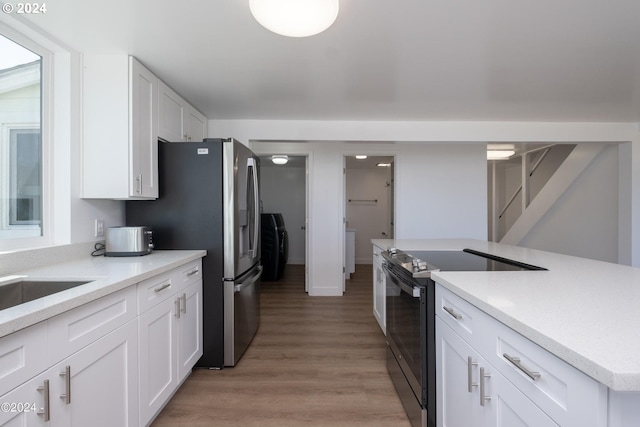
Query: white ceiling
{"x": 543, "y": 60}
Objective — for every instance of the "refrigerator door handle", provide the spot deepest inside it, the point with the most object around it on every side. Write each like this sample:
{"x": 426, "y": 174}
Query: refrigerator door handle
{"x": 253, "y": 170}
{"x": 249, "y": 281}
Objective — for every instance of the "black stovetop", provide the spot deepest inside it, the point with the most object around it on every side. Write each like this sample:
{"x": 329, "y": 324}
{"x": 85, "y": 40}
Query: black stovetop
{"x": 464, "y": 260}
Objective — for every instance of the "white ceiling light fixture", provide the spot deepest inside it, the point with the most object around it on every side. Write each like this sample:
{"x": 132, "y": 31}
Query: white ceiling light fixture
{"x": 499, "y": 154}
{"x": 279, "y": 160}
{"x": 383, "y": 165}
{"x": 295, "y": 18}
{"x": 361, "y": 157}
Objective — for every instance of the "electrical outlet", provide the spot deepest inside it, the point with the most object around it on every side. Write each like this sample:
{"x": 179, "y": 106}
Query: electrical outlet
{"x": 99, "y": 228}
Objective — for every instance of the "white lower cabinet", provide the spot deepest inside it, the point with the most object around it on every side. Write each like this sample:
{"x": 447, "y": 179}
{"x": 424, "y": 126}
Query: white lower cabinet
{"x": 97, "y": 386}
{"x": 489, "y": 375}
{"x": 379, "y": 289}
{"x": 158, "y": 377}
{"x": 472, "y": 393}
{"x": 170, "y": 344}
{"x": 190, "y": 330}
{"x": 102, "y": 364}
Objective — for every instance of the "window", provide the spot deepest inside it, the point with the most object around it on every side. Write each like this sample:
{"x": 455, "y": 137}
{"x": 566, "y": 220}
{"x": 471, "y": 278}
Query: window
{"x": 21, "y": 145}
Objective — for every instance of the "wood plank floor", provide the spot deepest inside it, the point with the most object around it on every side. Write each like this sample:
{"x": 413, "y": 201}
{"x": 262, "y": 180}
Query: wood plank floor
{"x": 315, "y": 361}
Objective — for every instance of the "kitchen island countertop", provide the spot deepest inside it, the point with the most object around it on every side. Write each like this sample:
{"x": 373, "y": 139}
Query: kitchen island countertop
{"x": 585, "y": 312}
{"x": 107, "y": 275}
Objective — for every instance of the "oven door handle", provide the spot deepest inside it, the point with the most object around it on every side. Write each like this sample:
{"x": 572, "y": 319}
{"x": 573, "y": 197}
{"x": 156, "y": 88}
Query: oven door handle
{"x": 414, "y": 291}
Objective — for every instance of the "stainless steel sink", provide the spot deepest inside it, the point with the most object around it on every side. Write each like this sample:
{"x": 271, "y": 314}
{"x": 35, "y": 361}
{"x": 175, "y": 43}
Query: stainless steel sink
{"x": 16, "y": 293}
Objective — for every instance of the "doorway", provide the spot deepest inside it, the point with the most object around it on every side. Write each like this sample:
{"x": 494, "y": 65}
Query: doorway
{"x": 284, "y": 190}
{"x": 368, "y": 206}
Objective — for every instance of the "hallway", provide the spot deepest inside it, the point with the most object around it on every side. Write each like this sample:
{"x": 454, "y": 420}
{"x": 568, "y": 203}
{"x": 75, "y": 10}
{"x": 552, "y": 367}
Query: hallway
{"x": 315, "y": 361}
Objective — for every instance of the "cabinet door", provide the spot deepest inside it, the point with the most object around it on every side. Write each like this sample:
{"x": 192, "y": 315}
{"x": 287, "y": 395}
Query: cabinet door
{"x": 23, "y": 355}
{"x": 157, "y": 329}
{"x": 189, "y": 329}
{"x": 143, "y": 130}
{"x": 464, "y": 378}
{"x": 172, "y": 112}
{"x": 379, "y": 285}
{"x": 102, "y": 389}
{"x": 456, "y": 405}
{"x": 197, "y": 125}
{"x": 507, "y": 406}
{"x": 27, "y": 404}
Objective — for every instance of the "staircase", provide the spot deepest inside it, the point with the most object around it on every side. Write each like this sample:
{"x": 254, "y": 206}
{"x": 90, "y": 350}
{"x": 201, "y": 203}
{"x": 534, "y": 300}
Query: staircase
{"x": 523, "y": 189}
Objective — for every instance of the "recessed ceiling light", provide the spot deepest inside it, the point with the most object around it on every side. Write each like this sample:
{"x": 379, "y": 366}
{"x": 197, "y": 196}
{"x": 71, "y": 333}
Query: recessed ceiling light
{"x": 361, "y": 157}
{"x": 384, "y": 165}
{"x": 295, "y": 18}
{"x": 279, "y": 160}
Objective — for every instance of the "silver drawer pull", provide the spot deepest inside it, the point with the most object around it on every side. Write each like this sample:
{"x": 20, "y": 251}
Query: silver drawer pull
{"x": 452, "y": 312}
{"x": 67, "y": 383}
{"x": 46, "y": 411}
{"x": 194, "y": 271}
{"x": 516, "y": 362}
{"x": 470, "y": 365}
{"x": 176, "y": 303}
{"x": 162, "y": 288}
{"x": 483, "y": 398}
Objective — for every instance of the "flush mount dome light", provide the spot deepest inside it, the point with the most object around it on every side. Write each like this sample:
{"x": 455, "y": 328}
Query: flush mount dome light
{"x": 361, "y": 157}
{"x": 499, "y": 154}
{"x": 279, "y": 160}
{"x": 295, "y": 18}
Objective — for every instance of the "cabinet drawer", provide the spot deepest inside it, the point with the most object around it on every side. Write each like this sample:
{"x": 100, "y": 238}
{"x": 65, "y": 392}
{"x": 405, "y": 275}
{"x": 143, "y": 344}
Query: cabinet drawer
{"x": 569, "y": 396}
{"x": 156, "y": 289}
{"x": 188, "y": 273}
{"x": 77, "y": 328}
{"x": 23, "y": 354}
{"x": 462, "y": 317}
{"x": 153, "y": 291}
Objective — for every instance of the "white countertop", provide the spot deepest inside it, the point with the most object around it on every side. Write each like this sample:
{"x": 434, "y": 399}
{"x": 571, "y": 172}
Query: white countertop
{"x": 107, "y": 275}
{"x": 585, "y": 312}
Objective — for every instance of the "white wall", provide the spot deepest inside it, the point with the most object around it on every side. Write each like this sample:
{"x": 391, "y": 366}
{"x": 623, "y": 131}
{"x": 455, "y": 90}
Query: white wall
{"x": 441, "y": 191}
{"x": 584, "y": 222}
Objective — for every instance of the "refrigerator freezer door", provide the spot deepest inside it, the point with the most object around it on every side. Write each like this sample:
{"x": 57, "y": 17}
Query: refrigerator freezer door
{"x": 242, "y": 314}
{"x": 241, "y": 209}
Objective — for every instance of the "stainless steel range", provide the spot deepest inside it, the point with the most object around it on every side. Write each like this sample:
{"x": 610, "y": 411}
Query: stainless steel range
{"x": 410, "y": 299}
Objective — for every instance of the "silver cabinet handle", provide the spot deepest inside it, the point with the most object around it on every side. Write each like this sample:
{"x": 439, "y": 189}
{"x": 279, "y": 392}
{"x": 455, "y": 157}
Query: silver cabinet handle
{"x": 194, "y": 271}
{"x": 183, "y": 299}
{"x": 139, "y": 183}
{"x": 176, "y": 303}
{"x": 470, "y": 365}
{"x": 67, "y": 382}
{"x": 516, "y": 362}
{"x": 162, "y": 288}
{"x": 452, "y": 312}
{"x": 46, "y": 411}
{"x": 483, "y": 398}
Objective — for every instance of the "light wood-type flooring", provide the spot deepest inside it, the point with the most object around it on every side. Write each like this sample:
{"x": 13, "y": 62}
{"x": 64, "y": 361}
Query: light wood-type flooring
{"x": 315, "y": 361}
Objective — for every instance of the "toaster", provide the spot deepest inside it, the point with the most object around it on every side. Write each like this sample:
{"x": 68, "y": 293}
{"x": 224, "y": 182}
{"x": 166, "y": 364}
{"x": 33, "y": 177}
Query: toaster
{"x": 128, "y": 241}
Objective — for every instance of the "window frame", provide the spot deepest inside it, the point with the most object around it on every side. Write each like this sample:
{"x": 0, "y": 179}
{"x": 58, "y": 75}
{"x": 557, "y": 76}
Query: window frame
{"x": 46, "y": 128}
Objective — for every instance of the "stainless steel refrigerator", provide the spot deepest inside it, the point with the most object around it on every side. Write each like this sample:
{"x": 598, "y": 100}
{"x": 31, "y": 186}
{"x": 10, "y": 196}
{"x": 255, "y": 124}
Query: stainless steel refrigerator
{"x": 209, "y": 199}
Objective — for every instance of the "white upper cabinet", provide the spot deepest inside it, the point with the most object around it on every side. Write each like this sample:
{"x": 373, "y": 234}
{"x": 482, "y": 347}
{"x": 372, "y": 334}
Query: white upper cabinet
{"x": 126, "y": 108}
{"x": 178, "y": 120}
{"x": 120, "y": 128}
{"x": 197, "y": 125}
